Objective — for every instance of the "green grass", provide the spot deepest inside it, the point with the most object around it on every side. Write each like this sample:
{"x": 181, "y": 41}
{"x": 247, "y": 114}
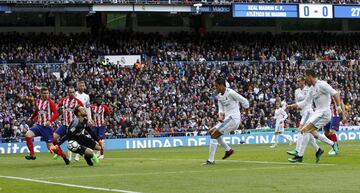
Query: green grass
{"x": 253, "y": 168}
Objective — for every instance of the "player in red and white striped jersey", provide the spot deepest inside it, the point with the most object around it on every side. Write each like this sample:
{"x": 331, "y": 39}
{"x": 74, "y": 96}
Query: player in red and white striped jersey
{"x": 333, "y": 126}
{"x": 45, "y": 114}
{"x": 67, "y": 104}
{"x": 99, "y": 111}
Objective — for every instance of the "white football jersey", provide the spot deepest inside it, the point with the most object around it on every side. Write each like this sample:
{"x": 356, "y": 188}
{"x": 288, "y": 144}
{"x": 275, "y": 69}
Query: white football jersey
{"x": 229, "y": 103}
{"x": 85, "y": 99}
{"x": 280, "y": 115}
{"x": 320, "y": 94}
{"x": 300, "y": 95}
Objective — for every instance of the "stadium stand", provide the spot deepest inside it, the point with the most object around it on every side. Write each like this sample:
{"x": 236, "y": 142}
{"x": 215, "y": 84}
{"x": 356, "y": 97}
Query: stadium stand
{"x": 172, "y": 93}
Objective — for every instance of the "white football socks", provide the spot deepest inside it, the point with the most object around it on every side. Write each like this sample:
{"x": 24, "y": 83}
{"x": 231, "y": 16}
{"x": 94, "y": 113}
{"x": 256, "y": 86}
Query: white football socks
{"x": 223, "y": 144}
{"x": 304, "y": 142}
{"x": 313, "y": 143}
{"x": 212, "y": 149}
{"x": 298, "y": 142}
{"x": 325, "y": 139}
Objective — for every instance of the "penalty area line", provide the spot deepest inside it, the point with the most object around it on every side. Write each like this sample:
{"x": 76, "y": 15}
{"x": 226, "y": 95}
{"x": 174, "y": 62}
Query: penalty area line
{"x": 68, "y": 185}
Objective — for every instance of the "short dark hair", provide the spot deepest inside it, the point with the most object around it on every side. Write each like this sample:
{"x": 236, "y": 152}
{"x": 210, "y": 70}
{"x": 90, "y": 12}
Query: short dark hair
{"x": 302, "y": 78}
{"x": 310, "y": 72}
{"x": 71, "y": 87}
{"x": 44, "y": 88}
{"x": 76, "y": 110}
{"x": 220, "y": 81}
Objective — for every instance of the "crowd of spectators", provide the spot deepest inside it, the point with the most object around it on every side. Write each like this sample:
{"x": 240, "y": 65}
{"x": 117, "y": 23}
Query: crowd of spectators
{"x": 170, "y": 97}
{"x": 180, "y": 46}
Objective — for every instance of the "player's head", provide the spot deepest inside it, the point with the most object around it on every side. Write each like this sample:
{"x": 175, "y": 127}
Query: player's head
{"x": 71, "y": 91}
{"x": 310, "y": 76}
{"x": 44, "y": 93}
{"x": 81, "y": 86}
{"x": 278, "y": 104}
{"x": 79, "y": 111}
{"x": 98, "y": 99}
{"x": 220, "y": 85}
{"x": 301, "y": 82}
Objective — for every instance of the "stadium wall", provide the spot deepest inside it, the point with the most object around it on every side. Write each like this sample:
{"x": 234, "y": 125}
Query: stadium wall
{"x": 140, "y": 143}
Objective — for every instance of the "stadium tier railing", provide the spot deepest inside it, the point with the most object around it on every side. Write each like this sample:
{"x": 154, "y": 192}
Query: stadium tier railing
{"x": 215, "y": 63}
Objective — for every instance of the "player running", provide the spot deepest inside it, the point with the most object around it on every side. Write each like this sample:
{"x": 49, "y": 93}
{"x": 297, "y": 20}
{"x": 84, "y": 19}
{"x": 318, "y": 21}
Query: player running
{"x": 229, "y": 118}
{"x": 306, "y": 113}
{"x": 45, "y": 114}
{"x": 75, "y": 132}
{"x": 280, "y": 117}
{"x": 319, "y": 94}
{"x": 99, "y": 110}
{"x": 67, "y": 104}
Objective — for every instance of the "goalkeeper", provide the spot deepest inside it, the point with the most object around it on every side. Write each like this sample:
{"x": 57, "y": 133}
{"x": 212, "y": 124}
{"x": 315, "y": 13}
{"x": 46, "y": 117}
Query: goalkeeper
{"x": 85, "y": 145}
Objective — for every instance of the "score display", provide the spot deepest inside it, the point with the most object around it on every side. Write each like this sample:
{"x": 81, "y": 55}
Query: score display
{"x": 265, "y": 10}
{"x": 315, "y": 11}
{"x": 320, "y": 11}
{"x": 346, "y": 11}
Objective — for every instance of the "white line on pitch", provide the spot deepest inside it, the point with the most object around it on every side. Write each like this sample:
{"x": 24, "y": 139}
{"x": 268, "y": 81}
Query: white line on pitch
{"x": 67, "y": 185}
{"x": 236, "y": 161}
{"x": 162, "y": 173}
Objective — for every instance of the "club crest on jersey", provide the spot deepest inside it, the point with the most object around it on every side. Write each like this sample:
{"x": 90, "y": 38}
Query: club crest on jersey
{"x": 72, "y": 129}
{"x": 69, "y": 109}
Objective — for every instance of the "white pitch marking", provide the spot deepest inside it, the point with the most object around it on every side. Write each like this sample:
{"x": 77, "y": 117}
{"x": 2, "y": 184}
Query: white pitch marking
{"x": 67, "y": 185}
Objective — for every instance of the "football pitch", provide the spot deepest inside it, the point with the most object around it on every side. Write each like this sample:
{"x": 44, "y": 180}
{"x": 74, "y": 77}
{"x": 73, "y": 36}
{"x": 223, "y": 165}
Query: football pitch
{"x": 253, "y": 168}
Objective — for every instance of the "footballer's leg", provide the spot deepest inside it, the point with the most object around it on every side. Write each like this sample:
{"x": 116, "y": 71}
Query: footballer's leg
{"x": 212, "y": 146}
{"x": 276, "y": 138}
{"x": 330, "y": 133}
{"x": 101, "y": 134}
{"x": 225, "y": 128}
{"x": 298, "y": 143}
{"x": 28, "y": 137}
{"x": 58, "y": 151}
{"x": 306, "y": 138}
{"x": 90, "y": 145}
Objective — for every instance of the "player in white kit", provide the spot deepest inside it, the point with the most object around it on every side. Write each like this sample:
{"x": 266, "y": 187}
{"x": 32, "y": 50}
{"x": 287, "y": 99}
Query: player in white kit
{"x": 280, "y": 117}
{"x": 320, "y": 94}
{"x": 85, "y": 99}
{"x": 229, "y": 118}
{"x": 306, "y": 113}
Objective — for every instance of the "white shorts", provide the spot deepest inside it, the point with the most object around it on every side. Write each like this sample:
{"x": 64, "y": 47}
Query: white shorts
{"x": 279, "y": 127}
{"x": 320, "y": 118}
{"x": 306, "y": 117}
{"x": 228, "y": 125}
